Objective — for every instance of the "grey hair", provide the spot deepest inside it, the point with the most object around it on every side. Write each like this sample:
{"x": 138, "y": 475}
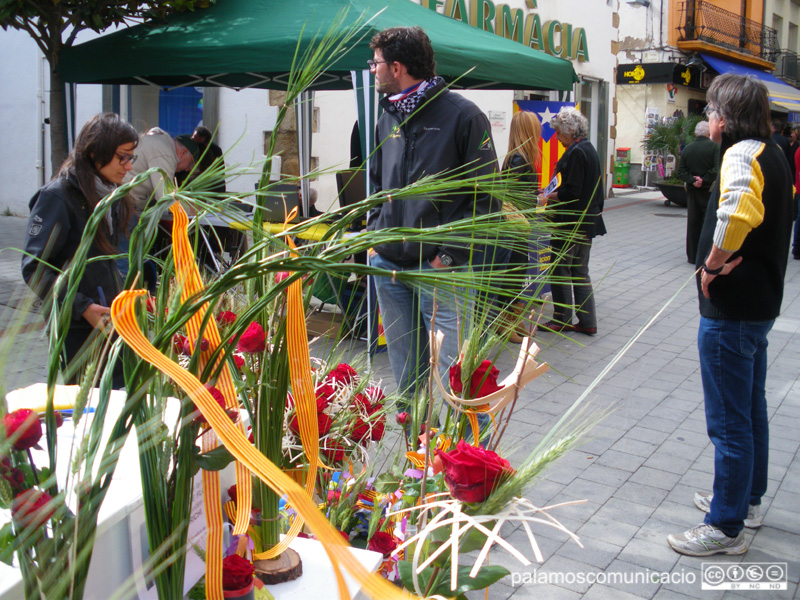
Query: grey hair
{"x": 569, "y": 120}
{"x": 702, "y": 129}
{"x": 743, "y": 101}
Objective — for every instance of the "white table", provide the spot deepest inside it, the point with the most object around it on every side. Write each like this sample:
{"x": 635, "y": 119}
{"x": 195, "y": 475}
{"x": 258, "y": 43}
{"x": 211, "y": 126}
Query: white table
{"x": 121, "y": 542}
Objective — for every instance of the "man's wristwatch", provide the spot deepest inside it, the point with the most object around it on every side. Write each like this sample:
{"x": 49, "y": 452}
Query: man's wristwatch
{"x": 713, "y": 271}
{"x": 446, "y": 259}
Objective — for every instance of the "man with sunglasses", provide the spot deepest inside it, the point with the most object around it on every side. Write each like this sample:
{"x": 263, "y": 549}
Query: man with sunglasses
{"x": 425, "y": 130}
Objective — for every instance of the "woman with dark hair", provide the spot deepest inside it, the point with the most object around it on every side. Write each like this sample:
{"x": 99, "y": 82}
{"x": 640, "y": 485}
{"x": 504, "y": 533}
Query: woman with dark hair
{"x": 578, "y": 204}
{"x": 102, "y": 155}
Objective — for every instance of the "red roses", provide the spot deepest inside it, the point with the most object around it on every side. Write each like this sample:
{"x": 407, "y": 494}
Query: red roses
{"x": 24, "y": 426}
{"x": 473, "y": 473}
{"x": 32, "y": 509}
{"x": 237, "y": 573}
{"x": 254, "y": 339}
{"x": 343, "y": 373}
{"x": 382, "y": 542}
{"x": 482, "y": 383}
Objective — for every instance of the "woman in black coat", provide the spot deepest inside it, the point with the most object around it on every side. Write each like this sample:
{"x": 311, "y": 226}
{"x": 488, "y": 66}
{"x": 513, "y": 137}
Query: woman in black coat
{"x": 577, "y": 206}
{"x": 102, "y": 155}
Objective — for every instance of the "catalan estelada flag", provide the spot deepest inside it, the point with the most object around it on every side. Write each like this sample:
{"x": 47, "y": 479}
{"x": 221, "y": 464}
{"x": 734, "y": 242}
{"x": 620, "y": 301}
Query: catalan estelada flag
{"x": 551, "y": 149}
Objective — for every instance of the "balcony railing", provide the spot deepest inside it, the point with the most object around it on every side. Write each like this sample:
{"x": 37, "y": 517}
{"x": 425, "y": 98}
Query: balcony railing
{"x": 709, "y": 23}
{"x": 787, "y": 67}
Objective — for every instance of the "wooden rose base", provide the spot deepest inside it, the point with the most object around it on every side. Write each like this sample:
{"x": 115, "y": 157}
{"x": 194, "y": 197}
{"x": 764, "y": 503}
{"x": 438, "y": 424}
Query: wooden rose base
{"x": 286, "y": 567}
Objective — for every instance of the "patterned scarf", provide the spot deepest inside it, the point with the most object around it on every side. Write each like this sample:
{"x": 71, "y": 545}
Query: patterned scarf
{"x": 408, "y": 100}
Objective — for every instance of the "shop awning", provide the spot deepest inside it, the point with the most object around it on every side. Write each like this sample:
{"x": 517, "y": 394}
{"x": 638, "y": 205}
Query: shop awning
{"x": 780, "y": 94}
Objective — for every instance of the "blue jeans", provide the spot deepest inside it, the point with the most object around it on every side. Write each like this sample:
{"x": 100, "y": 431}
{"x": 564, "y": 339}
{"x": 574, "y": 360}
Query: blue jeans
{"x": 733, "y": 365}
{"x": 407, "y": 311}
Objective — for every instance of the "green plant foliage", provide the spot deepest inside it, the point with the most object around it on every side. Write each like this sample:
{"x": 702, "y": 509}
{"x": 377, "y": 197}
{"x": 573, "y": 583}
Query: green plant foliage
{"x": 672, "y": 136}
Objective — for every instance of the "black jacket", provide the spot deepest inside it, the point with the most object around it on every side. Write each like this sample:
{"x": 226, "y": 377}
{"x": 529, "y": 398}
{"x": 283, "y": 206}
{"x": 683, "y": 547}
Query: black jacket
{"x": 522, "y": 170}
{"x": 447, "y": 132}
{"x": 700, "y": 158}
{"x": 753, "y": 290}
{"x": 581, "y": 189}
{"x": 58, "y": 217}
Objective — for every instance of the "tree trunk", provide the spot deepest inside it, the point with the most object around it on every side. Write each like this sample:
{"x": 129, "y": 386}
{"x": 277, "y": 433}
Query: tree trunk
{"x": 58, "y": 120}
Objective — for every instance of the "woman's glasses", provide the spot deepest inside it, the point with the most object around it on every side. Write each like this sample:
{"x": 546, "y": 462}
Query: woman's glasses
{"x": 710, "y": 110}
{"x": 124, "y": 159}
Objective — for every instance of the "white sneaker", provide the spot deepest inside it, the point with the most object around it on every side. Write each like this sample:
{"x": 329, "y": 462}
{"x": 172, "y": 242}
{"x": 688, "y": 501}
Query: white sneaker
{"x": 754, "y": 520}
{"x": 706, "y": 540}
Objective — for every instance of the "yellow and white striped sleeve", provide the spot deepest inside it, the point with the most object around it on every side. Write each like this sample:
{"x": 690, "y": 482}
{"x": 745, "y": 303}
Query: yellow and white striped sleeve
{"x": 740, "y": 207}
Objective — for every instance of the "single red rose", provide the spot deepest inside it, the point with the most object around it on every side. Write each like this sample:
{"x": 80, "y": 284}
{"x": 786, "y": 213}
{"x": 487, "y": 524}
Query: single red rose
{"x": 375, "y": 395}
{"x": 360, "y": 430}
{"x": 402, "y": 418}
{"x": 32, "y": 508}
{"x": 59, "y": 419}
{"x": 281, "y": 275}
{"x": 25, "y": 424}
{"x": 378, "y": 429}
{"x": 343, "y": 373}
{"x": 178, "y": 343}
{"x": 324, "y": 423}
{"x": 226, "y": 317}
{"x": 238, "y": 361}
{"x": 473, "y": 473}
{"x": 482, "y": 383}
{"x": 325, "y": 394}
{"x": 237, "y": 573}
{"x": 14, "y": 477}
{"x": 333, "y": 450}
{"x": 254, "y": 339}
{"x": 232, "y": 493}
{"x": 199, "y": 418}
{"x": 383, "y": 542}
{"x": 362, "y": 404}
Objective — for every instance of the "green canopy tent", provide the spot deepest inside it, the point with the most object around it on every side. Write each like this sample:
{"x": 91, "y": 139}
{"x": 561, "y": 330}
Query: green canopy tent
{"x": 250, "y": 43}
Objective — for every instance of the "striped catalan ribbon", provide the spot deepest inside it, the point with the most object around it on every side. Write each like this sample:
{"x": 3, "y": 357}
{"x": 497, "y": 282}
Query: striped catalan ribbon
{"x": 190, "y": 283}
{"x": 123, "y": 315}
{"x": 303, "y": 393}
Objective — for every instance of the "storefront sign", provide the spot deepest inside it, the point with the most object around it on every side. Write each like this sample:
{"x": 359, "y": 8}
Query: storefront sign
{"x": 553, "y": 37}
{"x": 672, "y": 73}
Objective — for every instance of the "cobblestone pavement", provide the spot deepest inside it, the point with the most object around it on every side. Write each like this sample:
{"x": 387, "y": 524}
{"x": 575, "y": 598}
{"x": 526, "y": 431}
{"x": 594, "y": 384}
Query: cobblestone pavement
{"x": 642, "y": 464}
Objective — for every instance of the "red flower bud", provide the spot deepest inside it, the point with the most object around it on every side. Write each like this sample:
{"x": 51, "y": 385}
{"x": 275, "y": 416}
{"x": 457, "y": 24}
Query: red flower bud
{"x": 343, "y": 373}
{"x": 237, "y": 573}
{"x": 32, "y": 509}
{"x": 382, "y": 542}
{"x": 226, "y": 317}
{"x": 482, "y": 383}
{"x": 238, "y": 361}
{"x": 473, "y": 473}
{"x": 402, "y": 418}
{"x": 199, "y": 418}
{"x": 24, "y": 425}
{"x": 254, "y": 339}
